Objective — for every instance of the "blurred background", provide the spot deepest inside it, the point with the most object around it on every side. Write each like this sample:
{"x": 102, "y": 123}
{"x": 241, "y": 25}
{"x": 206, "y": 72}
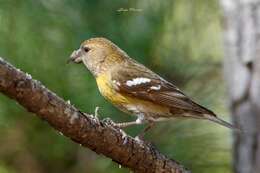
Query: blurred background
{"x": 181, "y": 40}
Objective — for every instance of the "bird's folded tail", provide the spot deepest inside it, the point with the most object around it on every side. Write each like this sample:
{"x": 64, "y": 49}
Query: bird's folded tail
{"x": 221, "y": 122}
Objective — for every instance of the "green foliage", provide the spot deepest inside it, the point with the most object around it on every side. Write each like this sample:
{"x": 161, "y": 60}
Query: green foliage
{"x": 179, "y": 39}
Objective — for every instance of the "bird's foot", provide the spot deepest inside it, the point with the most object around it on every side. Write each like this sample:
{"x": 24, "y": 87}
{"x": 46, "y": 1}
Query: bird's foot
{"x": 110, "y": 122}
{"x": 93, "y": 117}
{"x": 141, "y": 140}
{"x": 140, "y": 136}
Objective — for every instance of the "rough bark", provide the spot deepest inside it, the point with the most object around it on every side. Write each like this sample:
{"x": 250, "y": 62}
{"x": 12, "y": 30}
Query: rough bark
{"x": 82, "y": 128}
{"x": 242, "y": 71}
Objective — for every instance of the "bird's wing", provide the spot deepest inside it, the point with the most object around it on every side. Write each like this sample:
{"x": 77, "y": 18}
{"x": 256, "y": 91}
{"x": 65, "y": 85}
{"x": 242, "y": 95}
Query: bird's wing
{"x": 138, "y": 81}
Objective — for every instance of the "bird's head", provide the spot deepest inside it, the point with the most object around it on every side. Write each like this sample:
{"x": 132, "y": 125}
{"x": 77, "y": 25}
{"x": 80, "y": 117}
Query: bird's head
{"x": 97, "y": 54}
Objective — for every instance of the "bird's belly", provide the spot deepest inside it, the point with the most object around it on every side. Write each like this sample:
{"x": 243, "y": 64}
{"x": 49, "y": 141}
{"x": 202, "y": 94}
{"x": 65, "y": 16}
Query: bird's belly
{"x": 147, "y": 109}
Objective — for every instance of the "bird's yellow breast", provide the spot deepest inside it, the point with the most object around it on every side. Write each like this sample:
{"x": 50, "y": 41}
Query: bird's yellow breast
{"x": 127, "y": 103}
{"x": 108, "y": 91}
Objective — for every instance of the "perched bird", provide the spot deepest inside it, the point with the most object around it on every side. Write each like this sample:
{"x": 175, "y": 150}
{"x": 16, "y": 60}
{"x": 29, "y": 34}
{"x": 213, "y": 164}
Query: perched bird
{"x": 135, "y": 89}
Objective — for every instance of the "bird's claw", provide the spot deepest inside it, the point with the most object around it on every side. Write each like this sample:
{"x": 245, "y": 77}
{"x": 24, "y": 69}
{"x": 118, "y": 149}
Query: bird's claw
{"x": 141, "y": 140}
{"x": 140, "y": 137}
{"x": 93, "y": 117}
{"x": 96, "y": 112}
{"x": 109, "y": 122}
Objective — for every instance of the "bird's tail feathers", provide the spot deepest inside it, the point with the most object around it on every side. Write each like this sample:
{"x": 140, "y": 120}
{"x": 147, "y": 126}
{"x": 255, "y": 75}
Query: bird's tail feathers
{"x": 221, "y": 122}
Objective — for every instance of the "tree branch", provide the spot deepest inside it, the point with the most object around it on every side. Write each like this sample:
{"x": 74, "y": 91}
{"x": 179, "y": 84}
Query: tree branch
{"x": 84, "y": 129}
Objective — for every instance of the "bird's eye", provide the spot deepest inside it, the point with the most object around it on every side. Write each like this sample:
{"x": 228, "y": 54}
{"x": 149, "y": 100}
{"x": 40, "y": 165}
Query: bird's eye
{"x": 86, "y": 49}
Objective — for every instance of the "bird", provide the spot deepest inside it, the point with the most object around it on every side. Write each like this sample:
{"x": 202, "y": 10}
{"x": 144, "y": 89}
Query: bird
{"x": 135, "y": 89}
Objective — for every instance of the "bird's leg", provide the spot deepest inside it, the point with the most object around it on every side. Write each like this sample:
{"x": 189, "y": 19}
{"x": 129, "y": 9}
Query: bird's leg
{"x": 126, "y": 124}
{"x": 120, "y": 125}
{"x": 139, "y": 120}
{"x": 141, "y": 135}
{"x": 150, "y": 125}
